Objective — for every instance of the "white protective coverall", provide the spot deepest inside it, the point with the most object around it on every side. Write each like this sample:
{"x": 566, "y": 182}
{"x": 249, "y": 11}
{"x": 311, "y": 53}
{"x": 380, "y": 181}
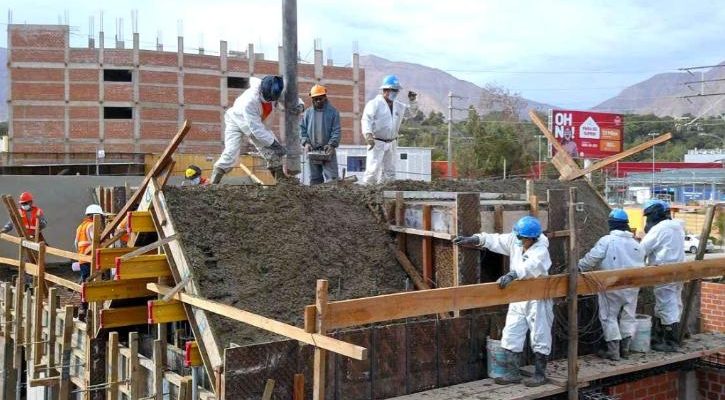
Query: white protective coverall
{"x": 247, "y": 118}
{"x": 534, "y": 315}
{"x": 665, "y": 244}
{"x": 616, "y": 251}
{"x": 384, "y": 125}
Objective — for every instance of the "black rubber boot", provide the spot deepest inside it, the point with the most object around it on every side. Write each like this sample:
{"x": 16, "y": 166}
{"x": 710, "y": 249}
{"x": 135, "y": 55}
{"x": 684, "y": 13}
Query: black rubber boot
{"x": 512, "y": 363}
{"x": 656, "y": 335}
{"x": 669, "y": 342}
{"x": 216, "y": 175}
{"x": 624, "y": 347}
{"x": 612, "y": 352}
{"x": 539, "y": 377}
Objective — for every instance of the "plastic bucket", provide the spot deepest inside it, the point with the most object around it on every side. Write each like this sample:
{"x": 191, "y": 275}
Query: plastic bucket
{"x": 495, "y": 358}
{"x": 641, "y": 339}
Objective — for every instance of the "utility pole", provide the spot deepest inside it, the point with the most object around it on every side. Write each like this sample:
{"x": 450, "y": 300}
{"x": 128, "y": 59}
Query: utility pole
{"x": 653, "y": 134}
{"x": 538, "y": 168}
{"x": 291, "y": 124}
{"x": 451, "y": 96}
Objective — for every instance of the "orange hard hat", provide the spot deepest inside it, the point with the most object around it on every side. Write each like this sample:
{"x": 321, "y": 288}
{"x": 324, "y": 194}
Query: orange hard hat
{"x": 318, "y": 90}
{"x": 25, "y": 197}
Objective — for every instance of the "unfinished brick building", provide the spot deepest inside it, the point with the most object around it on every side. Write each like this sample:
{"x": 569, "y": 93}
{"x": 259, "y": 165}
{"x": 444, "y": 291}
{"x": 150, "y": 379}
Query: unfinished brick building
{"x": 79, "y": 100}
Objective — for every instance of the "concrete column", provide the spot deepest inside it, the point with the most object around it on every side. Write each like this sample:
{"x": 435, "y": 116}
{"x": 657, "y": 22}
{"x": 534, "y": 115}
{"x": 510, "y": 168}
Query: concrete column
{"x": 687, "y": 385}
{"x": 101, "y": 90}
{"x": 289, "y": 44}
{"x": 356, "y": 134}
{"x": 180, "y": 79}
{"x": 66, "y": 96}
{"x": 250, "y": 58}
{"x": 224, "y": 88}
{"x": 280, "y": 72}
{"x": 135, "y": 77}
{"x": 318, "y": 65}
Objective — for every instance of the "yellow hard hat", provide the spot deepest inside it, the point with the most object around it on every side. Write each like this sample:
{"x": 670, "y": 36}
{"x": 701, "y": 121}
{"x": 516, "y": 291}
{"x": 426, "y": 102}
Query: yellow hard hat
{"x": 318, "y": 90}
{"x": 192, "y": 172}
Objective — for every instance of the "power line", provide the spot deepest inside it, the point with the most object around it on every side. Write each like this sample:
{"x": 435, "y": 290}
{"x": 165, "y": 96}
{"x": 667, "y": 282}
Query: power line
{"x": 702, "y": 67}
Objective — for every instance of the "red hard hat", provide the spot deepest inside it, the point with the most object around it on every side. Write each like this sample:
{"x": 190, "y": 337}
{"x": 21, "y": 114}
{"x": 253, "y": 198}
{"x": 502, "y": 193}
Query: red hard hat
{"x": 25, "y": 197}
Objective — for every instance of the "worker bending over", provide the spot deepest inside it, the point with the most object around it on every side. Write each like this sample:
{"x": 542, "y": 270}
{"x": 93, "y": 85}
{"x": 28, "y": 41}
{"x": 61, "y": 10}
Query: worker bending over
{"x": 247, "y": 118}
{"x": 528, "y": 251}
{"x": 192, "y": 177}
{"x": 380, "y": 123}
{"x": 320, "y": 136}
{"x": 30, "y": 215}
{"x": 617, "y": 250}
{"x": 83, "y": 241}
{"x": 664, "y": 243}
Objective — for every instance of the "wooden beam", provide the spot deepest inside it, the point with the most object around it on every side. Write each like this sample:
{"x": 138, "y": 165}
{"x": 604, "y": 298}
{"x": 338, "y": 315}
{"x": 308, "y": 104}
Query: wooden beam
{"x": 421, "y": 232}
{"x": 160, "y": 165}
{"x": 158, "y": 371}
{"x": 572, "y": 300}
{"x": 48, "y": 381}
{"x": 251, "y": 174}
{"x": 427, "y": 246}
{"x": 134, "y": 367}
{"x": 149, "y": 247}
{"x": 268, "y": 324}
{"x": 106, "y": 257}
{"x": 163, "y": 311}
{"x": 562, "y": 161}
{"x": 268, "y": 390}
{"x": 115, "y": 290}
{"x": 410, "y": 269}
{"x": 140, "y": 222}
{"x": 298, "y": 392}
{"x": 150, "y": 266}
{"x": 65, "y": 351}
{"x": 112, "y": 366}
{"x": 126, "y": 316}
{"x": 53, "y": 301}
{"x": 319, "y": 367}
{"x": 346, "y": 313}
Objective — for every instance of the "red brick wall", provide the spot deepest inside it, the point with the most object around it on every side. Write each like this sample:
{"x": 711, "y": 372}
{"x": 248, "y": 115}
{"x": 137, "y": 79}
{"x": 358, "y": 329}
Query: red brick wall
{"x": 712, "y": 306}
{"x": 657, "y": 387}
{"x": 711, "y": 383}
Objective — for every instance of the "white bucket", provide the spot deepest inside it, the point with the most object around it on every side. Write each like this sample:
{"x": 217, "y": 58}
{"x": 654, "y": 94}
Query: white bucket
{"x": 641, "y": 339}
{"x": 495, "y": 363}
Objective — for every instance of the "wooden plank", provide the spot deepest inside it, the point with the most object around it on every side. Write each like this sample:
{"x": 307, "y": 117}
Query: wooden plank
{"x": 268, "y": 390}
{"x": 467, "y": 222}
{"x": 163, "y": 311}
{"x": 48, "y": 381}
{"x": 106, "y": 257}
{"x": 149, "y": 247}
{"x": 400, "y": 221}
{"x": 427, "y": 246}
{"x": 572, "y": 302}
{"x": 410, "y": 269}
{"x": 434, "y": 195}
{"x": 319, "y": 368}
{"x": 421, "y": 232}
{"x": 160, "y": 165}
{"x": 149, "y": 266}
{"x": 158, "y": 371}
{"x": 421, "y": 355}
{"x": 49, "y": 250}
{"x": 134, "y": 367}
{"x": 18, "y": 320}
{"x": 562, "y": 161}
{"x": 388, "y": 361}
{"x": 368, "y": 310}
{"x": 53, "y": 301}
{"x": 251, "y": 174}
{"x": 126, "y": 316}
{"x": 66, "y": 351}
{"x": 299, "y": 387}
{"x": 112, "y": 366}
{"x": 268, "y": 324}
{"x": 115, "y": 290}
{"x": 140, "y": 222}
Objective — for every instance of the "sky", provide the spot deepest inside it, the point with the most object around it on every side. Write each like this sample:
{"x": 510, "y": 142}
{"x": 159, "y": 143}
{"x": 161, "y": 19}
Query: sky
{"x": 568, "y": 53}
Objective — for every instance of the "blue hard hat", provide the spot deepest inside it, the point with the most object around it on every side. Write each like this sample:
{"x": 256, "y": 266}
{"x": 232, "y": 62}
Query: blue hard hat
{"x": 271, "y": 87}
{"x": 390, "y": 82}
{"x": 652, "y": 205}
{"x": 528, "y": 227}
{"x": 618, "y": 214}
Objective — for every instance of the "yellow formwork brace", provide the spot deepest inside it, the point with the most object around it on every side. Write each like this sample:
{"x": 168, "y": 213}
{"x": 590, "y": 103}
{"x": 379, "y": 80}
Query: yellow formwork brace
{"x": 148, "y": 266}
{"x": 162, "y": 311}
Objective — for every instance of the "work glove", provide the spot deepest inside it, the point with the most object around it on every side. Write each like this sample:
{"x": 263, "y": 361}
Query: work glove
{"x": 506, "y": 279}
{"x": 370, "y": 140}
{"x": 278, "y": 149}
{"x": 466, "y": 240}
{"x": 329, "y": 149}
{"x": 412, "y": 95}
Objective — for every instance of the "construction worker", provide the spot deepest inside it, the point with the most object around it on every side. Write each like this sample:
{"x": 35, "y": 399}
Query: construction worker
{"x": 247, "y": 118}
{"x": 320, "y": 133}
{"x": 192, "y": 177}
{"x": 83, "y": 241}
{"x": 381, "y": 121}
{"x": 616, "y": 250}
{"x": 664, "y": 243}
{"x": 29, "y": 214}
{"x": 528, "y": 251}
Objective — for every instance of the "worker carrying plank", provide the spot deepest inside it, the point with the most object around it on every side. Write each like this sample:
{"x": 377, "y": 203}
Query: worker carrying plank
{"x": 30, "y": 214}
{"x": 616, "y": 250}
{"x": 320, "y": 136}
{"x": 528, "y": 251}
{"x": 664, "y": 243}
{"x": 249, "y": 117}
{"x": 83, "y": 241}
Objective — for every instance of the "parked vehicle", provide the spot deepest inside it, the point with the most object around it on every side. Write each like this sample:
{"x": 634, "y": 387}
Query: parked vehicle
{"x": 692, "y": 242}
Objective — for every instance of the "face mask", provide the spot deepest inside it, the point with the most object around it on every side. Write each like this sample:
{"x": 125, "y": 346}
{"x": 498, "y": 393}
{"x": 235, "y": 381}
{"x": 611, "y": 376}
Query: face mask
{"x": 392, "y": 96}
{"x": 25, "y": 207}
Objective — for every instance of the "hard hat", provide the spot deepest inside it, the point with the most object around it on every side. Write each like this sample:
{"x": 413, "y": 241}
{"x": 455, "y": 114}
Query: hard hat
{"x": 391, "y": 82}
{"x": 528, "y": 227}
{"x": 25, "y": 197}
{"x": 618, "y": 214}
{"x": 192, "y": 171}
{"x": 653, "y": 205}
{"x": 271, "y": 87}
{"x": 318, "y": 90}
{"x": 94, "y": 209}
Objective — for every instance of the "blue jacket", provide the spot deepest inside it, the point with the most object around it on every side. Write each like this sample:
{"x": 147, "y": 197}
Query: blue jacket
{"x": 330, "y": 129}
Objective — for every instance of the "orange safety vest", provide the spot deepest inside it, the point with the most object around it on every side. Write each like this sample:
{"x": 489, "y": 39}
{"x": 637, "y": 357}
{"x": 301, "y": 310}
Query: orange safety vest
{"x": 123, "y": 227}
{"x": 29, "y": 225}
{"x": 82, "y": 239}
{"x": 267, "y": 109}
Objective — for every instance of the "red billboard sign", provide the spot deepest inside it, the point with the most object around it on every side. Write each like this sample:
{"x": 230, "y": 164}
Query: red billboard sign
{"x": 587, "y": 134}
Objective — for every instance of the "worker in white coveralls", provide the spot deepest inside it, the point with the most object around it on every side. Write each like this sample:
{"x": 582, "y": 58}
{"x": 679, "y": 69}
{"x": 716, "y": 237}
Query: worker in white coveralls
{"x": 528, "y": 251}
{"x": 380, "y": 123}
{"x": 248, "y": 118}
{"x": 664, "y": 243}
{"x": 617, "y": 250}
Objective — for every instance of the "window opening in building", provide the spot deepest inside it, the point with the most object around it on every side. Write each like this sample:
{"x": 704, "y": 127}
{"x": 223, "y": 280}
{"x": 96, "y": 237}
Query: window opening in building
{"x": 356, "y": 163}
{"x": 403, "y": 156}
{"x": 117, "y": 112}
{"x": 117, "y": 75}
{"x": 237, "y": 82}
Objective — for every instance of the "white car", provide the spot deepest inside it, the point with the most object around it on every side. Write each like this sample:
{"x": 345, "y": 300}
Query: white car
{"x": 692, "y": 242}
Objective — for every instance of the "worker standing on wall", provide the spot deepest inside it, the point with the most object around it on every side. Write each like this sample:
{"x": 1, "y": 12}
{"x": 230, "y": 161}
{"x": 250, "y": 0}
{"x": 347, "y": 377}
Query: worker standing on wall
{"x": 30, "y": 215}
{"x": 664, "y": 243}
{"x": 83, "y": 241}
{"x": 616, "y": 250}
{"x": 320, "y": 136}
{"x": 528, "y": 251}
{"x": 192, "y": 177}
{"x": 247, "y": 118}
{"x": 380, "y": 123}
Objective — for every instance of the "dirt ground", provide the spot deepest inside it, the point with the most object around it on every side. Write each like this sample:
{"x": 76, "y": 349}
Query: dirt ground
{"x": 262, "y": 249}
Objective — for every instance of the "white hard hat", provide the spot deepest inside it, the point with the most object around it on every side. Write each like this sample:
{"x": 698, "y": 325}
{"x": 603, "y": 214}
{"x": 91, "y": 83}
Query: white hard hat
{"x": 94, "y": 209}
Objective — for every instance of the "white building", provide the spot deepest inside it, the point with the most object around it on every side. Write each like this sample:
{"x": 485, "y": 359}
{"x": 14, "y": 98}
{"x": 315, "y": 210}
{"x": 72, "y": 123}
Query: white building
{"x": 411, "y": 163}
{"x": 705, "y": 155}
